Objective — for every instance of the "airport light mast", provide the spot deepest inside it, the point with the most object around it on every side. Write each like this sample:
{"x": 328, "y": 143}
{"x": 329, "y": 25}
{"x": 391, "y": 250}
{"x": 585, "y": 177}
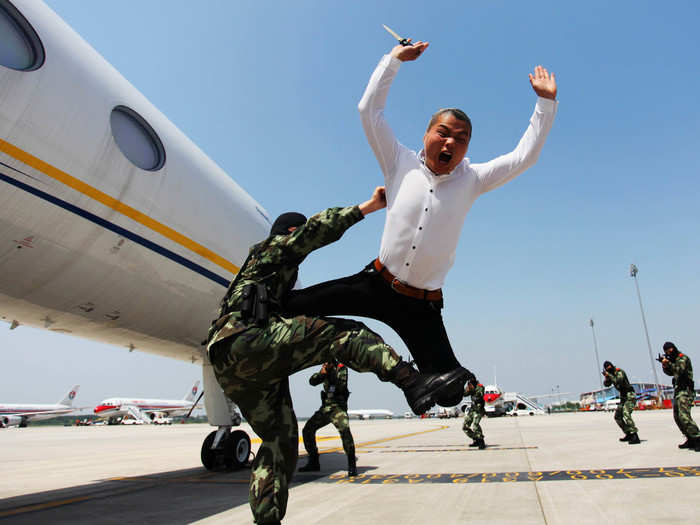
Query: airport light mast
{"x": 633, "y": 273}
{"x": 597, "y": 359}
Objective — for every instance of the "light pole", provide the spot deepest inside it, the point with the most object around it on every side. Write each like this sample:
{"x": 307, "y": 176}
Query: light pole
{"x": 633, "y": 273}
{"x": 597, "y": 359}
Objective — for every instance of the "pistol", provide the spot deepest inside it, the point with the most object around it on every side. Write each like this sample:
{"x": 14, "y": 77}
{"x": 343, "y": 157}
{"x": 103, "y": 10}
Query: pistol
{"x": 660, "y": 358}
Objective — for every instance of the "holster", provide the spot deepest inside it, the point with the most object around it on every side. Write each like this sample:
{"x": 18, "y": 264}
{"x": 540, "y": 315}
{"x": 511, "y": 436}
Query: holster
{"x": 255, "y": 304}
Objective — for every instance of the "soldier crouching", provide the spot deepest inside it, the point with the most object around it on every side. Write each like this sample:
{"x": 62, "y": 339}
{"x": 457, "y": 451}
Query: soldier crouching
{"x": 254, "y": 348}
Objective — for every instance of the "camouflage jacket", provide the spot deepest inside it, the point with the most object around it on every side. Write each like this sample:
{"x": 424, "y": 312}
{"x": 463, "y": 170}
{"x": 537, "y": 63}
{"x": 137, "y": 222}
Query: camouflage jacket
{"x": 335, "y": 384}
{"x": 275, "y": 262}
{"x": 682, "y": 371}
{"x": 620, "y": 381}
{"x": 478, "y": 398}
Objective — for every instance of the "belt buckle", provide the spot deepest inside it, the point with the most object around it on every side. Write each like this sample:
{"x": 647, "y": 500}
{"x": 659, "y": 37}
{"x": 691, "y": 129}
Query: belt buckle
{"x": 394, "y": 282}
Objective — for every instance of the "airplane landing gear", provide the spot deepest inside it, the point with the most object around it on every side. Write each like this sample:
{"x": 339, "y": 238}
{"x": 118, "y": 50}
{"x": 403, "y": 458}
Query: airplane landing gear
{"x": 225, "y": 450}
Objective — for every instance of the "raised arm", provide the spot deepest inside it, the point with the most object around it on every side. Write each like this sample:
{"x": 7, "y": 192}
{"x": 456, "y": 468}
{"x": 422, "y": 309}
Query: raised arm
{"x": 328, "y": 226}
{"x": 380, "y": 136}
{"x": 502, "y": 169}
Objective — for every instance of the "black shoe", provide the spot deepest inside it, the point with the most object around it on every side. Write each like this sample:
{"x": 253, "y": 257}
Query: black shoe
{"x": 422, "y": 390}
{"x": 312, "y": 465}
{"x": 634, "y": 439}
{"x": 697, "y": 444}
{"x": 481, "y": 444}
{"x": 352, "y": 467}
{"x": 626, "y": 438}
{"x": 688, "y": 444}
{"x": 474, "y": 444}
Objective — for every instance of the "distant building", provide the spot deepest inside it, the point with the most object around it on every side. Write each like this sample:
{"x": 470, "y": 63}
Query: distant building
{"x": 645, "y": 391}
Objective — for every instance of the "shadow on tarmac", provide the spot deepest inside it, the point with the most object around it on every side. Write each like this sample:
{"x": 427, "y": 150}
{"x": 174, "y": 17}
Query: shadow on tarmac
{"x": 174, "y": 497}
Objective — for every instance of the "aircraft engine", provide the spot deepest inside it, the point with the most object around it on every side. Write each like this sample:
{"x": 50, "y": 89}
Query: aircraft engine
{"x": 10, "y": 421}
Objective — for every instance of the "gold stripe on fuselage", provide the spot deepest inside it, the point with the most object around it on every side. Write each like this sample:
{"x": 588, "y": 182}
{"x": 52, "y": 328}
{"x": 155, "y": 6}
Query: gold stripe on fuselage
{"x": 111, "y": 202}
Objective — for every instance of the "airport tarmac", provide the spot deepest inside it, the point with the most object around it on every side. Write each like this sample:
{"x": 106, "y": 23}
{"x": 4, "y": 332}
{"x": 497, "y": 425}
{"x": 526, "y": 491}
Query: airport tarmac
{"x": 554, "y": 469}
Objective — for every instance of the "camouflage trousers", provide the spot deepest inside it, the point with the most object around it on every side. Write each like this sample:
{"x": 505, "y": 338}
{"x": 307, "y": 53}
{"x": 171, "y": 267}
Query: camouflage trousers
{"x": 623, "y": 416}
{"x": 471, "y": 425}
{"x": 329, "y": 413}
{"x": 254, "y": 374}
{"x": 682, "y": 403}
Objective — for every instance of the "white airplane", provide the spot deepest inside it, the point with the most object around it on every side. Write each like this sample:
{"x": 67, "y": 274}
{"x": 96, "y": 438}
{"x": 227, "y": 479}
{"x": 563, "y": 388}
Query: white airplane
{"x": 114, "y": 226}
{"x": 146, "y": 410}
{"x": 371, "y": 413}
{"x": 20, "y": 415}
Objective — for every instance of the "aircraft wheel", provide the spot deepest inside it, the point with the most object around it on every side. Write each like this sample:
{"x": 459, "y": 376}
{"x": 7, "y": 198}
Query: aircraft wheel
{"x": 208, "y": 455}
{"x": 23, "y": 424}
{"x": 237, "y": 449}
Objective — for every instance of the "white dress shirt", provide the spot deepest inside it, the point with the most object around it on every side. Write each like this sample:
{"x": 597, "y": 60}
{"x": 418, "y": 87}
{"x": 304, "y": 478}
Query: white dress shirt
{"x": 426, "y": 212}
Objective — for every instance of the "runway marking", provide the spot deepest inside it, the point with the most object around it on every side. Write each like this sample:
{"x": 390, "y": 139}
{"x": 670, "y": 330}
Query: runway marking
{"x": 301, "y": 439}
{"x": 462, "y": 449}
{"x": 509, "y": 477}
{"x": 384, "y": 440}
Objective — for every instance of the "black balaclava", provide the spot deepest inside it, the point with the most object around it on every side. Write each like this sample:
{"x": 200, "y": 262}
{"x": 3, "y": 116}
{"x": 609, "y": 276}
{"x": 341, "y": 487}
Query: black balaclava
{"x": 285, "y": 221}
{"x": 668, "y": 345}
{"x": 607, "y": 365}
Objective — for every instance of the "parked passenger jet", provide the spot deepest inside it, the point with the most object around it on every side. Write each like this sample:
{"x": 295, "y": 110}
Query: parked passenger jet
{"x": 114, "y": 226}
{"x": 146, "y": 410}
{"x": 21, "y": 414}
{"x": 371, "y": 413}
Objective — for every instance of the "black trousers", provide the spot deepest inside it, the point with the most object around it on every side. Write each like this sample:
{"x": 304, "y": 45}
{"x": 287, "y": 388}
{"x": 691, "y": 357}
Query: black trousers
{"x": 366, "y": 294}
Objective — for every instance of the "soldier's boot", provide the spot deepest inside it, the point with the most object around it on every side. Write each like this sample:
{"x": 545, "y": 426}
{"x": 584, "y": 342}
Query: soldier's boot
{"x": 423, "y": 390}
{"x": 688, "y": 443}
{"x": 481, "y": 444}
{"x": 697, "y": 444}
{"x": 634, "y": 439}
{"x": 474, "y": 444}
{"x": 352, "y": 466}
{"x": 312, "y": 465}
{"x": 625, "y": 438}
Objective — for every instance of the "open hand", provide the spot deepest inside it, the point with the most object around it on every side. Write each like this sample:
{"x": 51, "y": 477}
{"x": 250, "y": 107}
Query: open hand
{"x": 409, "y": 53}
{"x": 544, "y": 83}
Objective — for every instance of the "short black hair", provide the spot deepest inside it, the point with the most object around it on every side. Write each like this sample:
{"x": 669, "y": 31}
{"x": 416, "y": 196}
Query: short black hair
{"x": 668, "y": 345}
{"x": 456, "y": 113}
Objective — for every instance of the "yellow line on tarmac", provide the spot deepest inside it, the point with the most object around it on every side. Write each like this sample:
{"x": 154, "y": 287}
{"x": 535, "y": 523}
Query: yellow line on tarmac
{"x": 384, "y": 440}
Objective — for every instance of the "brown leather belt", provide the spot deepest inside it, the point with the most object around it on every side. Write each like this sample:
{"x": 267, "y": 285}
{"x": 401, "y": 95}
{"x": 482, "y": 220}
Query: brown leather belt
{"x": 406, "y": 289}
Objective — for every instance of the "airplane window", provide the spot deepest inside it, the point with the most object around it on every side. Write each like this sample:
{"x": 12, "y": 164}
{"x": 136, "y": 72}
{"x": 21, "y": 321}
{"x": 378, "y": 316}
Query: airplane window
{"x": 20, "y": 47}
{"x": 136, "y": 139}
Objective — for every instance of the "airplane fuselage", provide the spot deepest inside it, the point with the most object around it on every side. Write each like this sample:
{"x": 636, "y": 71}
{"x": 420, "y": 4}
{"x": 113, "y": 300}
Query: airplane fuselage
{"x": 90, "y": 243}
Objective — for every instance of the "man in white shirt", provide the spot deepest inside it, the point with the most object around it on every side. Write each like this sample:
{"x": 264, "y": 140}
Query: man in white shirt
{"x": 428, "y": 196}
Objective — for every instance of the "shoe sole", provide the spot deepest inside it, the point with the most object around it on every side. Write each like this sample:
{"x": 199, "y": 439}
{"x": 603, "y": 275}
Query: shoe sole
{"x": 427, "y": 402}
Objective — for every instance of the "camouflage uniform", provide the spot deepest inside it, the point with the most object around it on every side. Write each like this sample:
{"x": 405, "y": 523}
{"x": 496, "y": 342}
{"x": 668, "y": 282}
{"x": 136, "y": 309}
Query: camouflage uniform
{"x": 334, "y": 409}
{"x": 473, "y": 416}
{"x": 628, "y": 400}
{"x": 252, "y": 363}
{"x": 683, "y": 394}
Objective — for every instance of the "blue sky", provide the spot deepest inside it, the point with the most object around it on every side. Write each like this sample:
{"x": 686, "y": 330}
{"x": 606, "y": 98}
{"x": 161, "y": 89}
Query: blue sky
{"x": 269, "y": 91}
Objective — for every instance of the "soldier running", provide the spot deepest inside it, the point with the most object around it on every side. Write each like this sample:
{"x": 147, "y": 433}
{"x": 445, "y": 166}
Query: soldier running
{"x": 679, "y": 366}
{"x": 254, "y": 349}
{"x": 476, "y": 411}
{"x": 628, "y": 399}
{"x": 334, "y": 409}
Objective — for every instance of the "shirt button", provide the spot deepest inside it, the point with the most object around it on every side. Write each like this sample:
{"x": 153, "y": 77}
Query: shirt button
{"x": 431, "y": 191}
{"x": 406, "y": 264}
{"x": 420, "y": 227}
{"x": 413, "y": 247}
{"x": 426, "y": 209}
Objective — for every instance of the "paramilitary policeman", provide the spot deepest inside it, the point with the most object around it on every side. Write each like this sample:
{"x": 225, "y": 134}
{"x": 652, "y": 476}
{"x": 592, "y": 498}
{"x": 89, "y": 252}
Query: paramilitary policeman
{"x": 628, "y": 399}
{"x": 679, "y": 366}
{"x": 254, "y": 348}
{"x": 476, "y": 411}
{"x": 334, "y": 409}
